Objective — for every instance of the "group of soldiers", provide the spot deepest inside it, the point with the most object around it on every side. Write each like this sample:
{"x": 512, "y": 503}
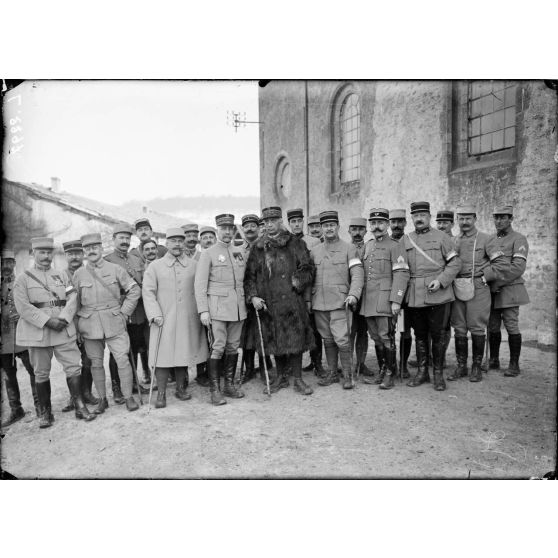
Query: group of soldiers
{"x": 196, "y": 301}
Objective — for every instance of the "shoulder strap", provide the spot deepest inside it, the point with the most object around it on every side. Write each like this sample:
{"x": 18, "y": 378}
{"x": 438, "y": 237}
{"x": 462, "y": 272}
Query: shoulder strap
{"x": 422, "y": 252}
{"x": 93, "y": 274}
{"x": 474, "y": 248}
{"x": 44, "y": 285}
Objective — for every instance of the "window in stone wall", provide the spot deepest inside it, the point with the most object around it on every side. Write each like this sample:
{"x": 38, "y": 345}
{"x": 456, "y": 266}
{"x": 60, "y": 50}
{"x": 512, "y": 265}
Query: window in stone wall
{"x": 283, "y": 177}
{"x": 349, "y": 135}
{"x": 491, "y": 116}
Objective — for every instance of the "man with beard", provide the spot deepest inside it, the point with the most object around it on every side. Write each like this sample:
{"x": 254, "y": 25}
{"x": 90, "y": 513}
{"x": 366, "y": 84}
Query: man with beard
{"x": 46, "y": 302}
{"x": 103, "y": 313}
{"x": 397, "y": 224}
{"x": 148, "y": 249}
{"x": 481, "y": 263}
{"x": 74, "y": 257}
{"x": 337, "y": 287}
{"x": 278, "y": 279}
{"x": 9, "y": 350}
{"x": 221, "y": 305}
{"x": 359, "y": 331}
{"x": 387, "y": 276}
{"x": 191, "y": 231}
{"x": 168, "y": 295}
{"x": 208, "y": 237}
{"x": 315, "y": 228}
{"x": 144, "y": 232}
{"x": 508, "y": 293}
{"x": 137, "y": 327}
{"x": 434, "y": 264}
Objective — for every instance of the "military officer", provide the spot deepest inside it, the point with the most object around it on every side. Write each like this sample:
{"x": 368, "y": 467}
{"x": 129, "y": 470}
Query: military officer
{"x": 74, "y": 256}
{"x": 295, "y": 218}
{"x": 138, "y": 329}
{"x": 481, "y": 260}
{"x": 315, "y": 228}
{"x": 191, "y": 231}
{"x": 509, "y": 293}
{"x": 103, "y": 314}
{"x": 144, "y": 232}
{"x": 434, "y": 264}
{"x": 46, "y": 302}
{"x": 359, "y": 331}
{"x": 445, "y": 219}
{"x": 221, "y": 305}
{"x": 397, "y": 224}
{"x": 208, "y": 237}
{"x": 386, "y": 277}
{"x": 337, "y": 287}
{"x": 148, "y": 249}
{"x": 9, "y": 350}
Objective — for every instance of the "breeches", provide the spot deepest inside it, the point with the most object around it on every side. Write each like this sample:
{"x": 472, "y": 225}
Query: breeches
{"x": 471, "y": 315}
{"x": 378, "y": 328}
{"x": 67, "y": 355}
{"x": 332, "y": 326}
{"x": 429, "y": 319}
{"x": 510, "y": 317}
{"x": 119, "y": 346}
{"x": 226, "y": 337}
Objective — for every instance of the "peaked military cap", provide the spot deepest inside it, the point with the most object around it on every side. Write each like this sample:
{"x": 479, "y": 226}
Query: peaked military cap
{"x": 466, "y": 210}
{"x": 72, "y": 245}
{"x": 8, "y": 255}
{"x": 328, "y": 216}
{"x": 420, "y": 206}
{"x": 397, "y": 214}
{"x": 93, "y": 238}
{"x": 313, "y": 220}
{"x": 503, "y": 210}
{"x": 123, "y": 228}
{"x": 261, "y": 222}
{"x": 272, "y": 212}
{"x": 175, "y": 231}
{"x": 190, "y": 227}
{"x": 142, "y": 222}
{"x": 211, "y": 230}
{"x": 224, "y": 219}
{"x": 295, "y": 213}
{"x": 357, "y": 222}
{"x": 379, "y": 213}
{"x": 43, "y": 243}
{"x": 445, "y": 215}
{"x": 250, "y": 218}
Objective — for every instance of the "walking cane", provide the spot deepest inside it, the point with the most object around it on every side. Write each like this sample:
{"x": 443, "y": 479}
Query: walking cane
{"x": 153, "y": 368}
{"x": 348, "y": 320}
{"x": 263, "y": 353}
{"x": 135, "y": 371}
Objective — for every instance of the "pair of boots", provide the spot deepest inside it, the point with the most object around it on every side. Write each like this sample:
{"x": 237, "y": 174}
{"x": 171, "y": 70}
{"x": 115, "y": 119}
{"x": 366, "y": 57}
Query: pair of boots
{"x": 422, "y": 374}
{"x": 12, "y": 391}
{"x": 181, "y": 378}
{"x": 387, "y": 363}
{"x": 333, "y": 352}
{"x": 287, "y": 364}
{"x": 461, "y": 354}
{"x": 514, "y": 342}
{"x": 216, "y": 366}
{"x": 86, "y": 393}
{"x": 46, "y": 418}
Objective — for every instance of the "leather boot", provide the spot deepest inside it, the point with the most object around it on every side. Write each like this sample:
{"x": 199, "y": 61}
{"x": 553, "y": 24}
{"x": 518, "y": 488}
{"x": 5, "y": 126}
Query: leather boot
{"x": 231, "y": 360}
{"x": 346, "y": 368}
{"x": 332, "y": 353}
{"x": 131, "y": 404}
{"x": 43, "y": 393}
{"x": 494, "y": 341}
{"x": 162, "y": 377}
{"x": 514, "y": 341}
{"x": 86, "y": 385}
{"x": 446, "y": 336}
{"x": 202, "y": 378}
{"x": 421, "y": 375}
{"x": 249, "y": 355}
{"x": 281, "y": 379}
{"x": 117, "y": 396}
{"x": 319, "y": 370}
{"x": 33, "y": 388}
{"x": 478, "y": 351}
{"x": 438, "y": 362}
{"x": 295, "y": 364}
{"x": 70, "y": 404}
{"x": 102, "y": 406}
{"x": 214, "y": 369}
{"x": 461, "y": 350}
{"x": 381, "y": 357}
{"x": 363, "y": 370}
{"x": 405, "y": 347}
{"x": 12, "y": 390}
{"x": 181, "y": 375}
{"x": 82, "y": 412}
{"x": 16, "y": 413}
{"x": 390, "y": 356}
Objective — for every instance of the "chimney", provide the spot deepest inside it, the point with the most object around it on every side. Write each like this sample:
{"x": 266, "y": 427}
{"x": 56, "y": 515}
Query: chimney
{"x": 55, "y": 184}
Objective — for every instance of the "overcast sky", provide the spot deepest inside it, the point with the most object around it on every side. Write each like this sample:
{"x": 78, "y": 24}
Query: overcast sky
{"x": 121, "y": 140}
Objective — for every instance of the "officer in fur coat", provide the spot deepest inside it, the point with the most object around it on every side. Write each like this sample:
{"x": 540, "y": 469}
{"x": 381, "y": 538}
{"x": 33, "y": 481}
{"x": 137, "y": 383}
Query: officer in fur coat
{"x": 277, "y": 282}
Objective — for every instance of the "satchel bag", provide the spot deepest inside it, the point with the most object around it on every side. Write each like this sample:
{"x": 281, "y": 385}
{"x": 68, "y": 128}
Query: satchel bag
{"x": 464, "y": 287}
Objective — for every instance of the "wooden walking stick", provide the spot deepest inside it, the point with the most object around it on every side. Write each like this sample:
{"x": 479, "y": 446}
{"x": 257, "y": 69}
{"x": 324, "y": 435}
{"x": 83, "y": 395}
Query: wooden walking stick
{"x": 135, "y": 372}
{"x": 153, "y": 367}
{"x": 263, "y": 353}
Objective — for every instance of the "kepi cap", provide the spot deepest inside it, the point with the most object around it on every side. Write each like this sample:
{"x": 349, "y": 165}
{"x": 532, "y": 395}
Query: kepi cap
{"x": 466, "y": 210}
{"x": 175, "y": 231}
{"x": 357, "y": 222}
{"x": 445, "y": 215}
{"x": 397, "y": 214}
{"x": 250, "y": 218}
{"x": 379, "y": 213}
{"x": 313, "y": 220}
{"x": 190, "y": 227}
{"x": 92, "y": 238}
{"x": 43, "y": 243}
{"x": 420, "y": 206}
{"x": 224, "y": 219}
{"x": 295, "y": 213}
{"x": 72, "y": 245}
{"x": 123, "y": 228}
{"x": 8, "y": 255}
{"x": 328, "y": 216}
{"x": 142, "y": 222}
{"x": 211, "y": 230}
{"x": 272, "y": 212}
{"x": 503, "y": 210}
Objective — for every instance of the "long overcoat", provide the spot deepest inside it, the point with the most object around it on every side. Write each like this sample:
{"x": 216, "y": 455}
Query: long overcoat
{"x": 280, "y": 270}
{"x": 168, "y": 291}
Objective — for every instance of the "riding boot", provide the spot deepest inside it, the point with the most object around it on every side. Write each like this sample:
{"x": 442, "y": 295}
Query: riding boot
{"x": 249, "y": 355}
{"x": 230, "y": 390}
{"x": 281, "y": 379}
{"x": 461, "y": 350}
{"x": 33, "y": 388}
{"x": 381, "y": 357}
{"x": 494, "y": 341}
{"x": 346, "y": 368}
{"x": 446, "y": 336}
{"x": 332, "y": 353}
{"x": 70, "y": 404}
{"x": 115, "y": 382}
{"x": 49, "y": 401}
{"x": 421, "y": 375}
{"x": 162, "y": 377}
{"x": 181, "y": 375}
{"x": 478, "y": 351}
{"x": 214, "y": 369}
{"x": 12, "y": 390}
{"x": 86, "y": 385}
{"x": 202, "y": 377}
{"x": 405, "y": 350}
{"x": 295, "y": 364}
{"x": 43, "y": 393}
{"x": 82, "y": 412}
{"x": 390, "y": 357}
{"x": 438, "y": 362}
{"x": 514, "y": 341}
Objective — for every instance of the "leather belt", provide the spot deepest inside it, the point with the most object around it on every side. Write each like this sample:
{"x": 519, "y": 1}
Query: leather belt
{"x": 49, "y": 304}
{"x": 468, "y": 276}
{"x": 100, "y": 306}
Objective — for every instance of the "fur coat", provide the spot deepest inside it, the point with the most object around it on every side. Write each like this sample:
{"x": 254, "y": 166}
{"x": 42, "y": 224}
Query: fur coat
{"x": 280, "y": 271}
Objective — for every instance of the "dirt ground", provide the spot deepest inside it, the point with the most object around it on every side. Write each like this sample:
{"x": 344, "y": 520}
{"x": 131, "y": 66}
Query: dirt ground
{"x": 498, "y": 428}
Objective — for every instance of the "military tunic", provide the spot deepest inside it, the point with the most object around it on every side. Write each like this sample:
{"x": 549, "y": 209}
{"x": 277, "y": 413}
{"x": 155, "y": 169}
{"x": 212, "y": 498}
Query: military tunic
{"x": 310, "y": 241}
